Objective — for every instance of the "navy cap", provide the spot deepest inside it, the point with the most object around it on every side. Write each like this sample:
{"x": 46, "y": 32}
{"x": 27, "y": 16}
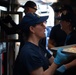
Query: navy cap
{"x": 29, "y": 4}
{"x": 64, "y": 7}
{"x": 67, "y": 7}
{"x": 67, "y": 17}
{"x": 31, "y": 19}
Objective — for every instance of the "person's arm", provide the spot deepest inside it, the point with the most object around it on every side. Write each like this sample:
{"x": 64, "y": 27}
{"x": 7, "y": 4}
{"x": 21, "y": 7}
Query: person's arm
{"x": 8, "y": 19}
{"x": 71, "y": 64}
{"x": 51, "y": 59}
{"x": 60, "y": 57}
{"x": 49, "y": 71}
{"x": 64, "y": 67}
{"x": 9, "y": 30}
{"x": 50, "y": 44}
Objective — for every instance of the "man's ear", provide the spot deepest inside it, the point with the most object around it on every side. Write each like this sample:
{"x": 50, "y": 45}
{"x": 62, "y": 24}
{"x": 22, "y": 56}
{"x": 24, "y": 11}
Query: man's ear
{"x": 32, "y": 29}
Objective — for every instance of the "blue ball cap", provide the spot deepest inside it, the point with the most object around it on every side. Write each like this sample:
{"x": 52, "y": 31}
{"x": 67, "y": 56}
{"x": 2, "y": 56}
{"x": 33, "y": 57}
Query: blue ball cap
{"x": 66, "y": 17}
{"x": 31, "y": 19}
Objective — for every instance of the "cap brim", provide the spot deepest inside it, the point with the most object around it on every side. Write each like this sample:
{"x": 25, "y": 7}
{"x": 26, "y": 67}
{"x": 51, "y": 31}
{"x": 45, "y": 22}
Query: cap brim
{"x": 42, "y": 19}
{"x": 29, "y": 21}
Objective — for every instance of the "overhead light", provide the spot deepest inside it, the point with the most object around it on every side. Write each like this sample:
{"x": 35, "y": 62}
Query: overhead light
{"x": 49, "y": 1}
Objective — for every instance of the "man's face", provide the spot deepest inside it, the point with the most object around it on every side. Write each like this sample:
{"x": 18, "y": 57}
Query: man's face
{"x": 64, "y": 25}
{"x": 30, "y": 9}
{"x": 64, "y": 12}
{"x": 39, "y": 30}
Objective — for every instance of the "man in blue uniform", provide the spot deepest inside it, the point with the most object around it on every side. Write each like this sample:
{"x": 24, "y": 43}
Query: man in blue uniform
{"x": 32, "y": 60}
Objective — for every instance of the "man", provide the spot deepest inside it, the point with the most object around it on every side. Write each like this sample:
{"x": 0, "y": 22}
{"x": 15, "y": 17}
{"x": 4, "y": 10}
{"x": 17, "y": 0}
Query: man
{"x": 32, "y": 60}
{"x": 57, "y": 35}
{"x": 58, "y": 38}
{"x": 68, "y": 25}
{"x": 30, "y": 6}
